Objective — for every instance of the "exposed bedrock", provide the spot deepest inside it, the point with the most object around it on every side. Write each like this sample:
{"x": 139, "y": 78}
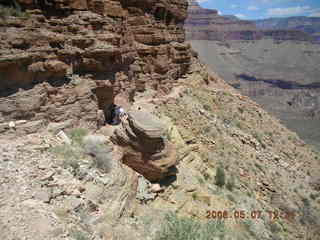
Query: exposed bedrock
{"x": 145, "y": 146}
{"x": 71, "y": 58}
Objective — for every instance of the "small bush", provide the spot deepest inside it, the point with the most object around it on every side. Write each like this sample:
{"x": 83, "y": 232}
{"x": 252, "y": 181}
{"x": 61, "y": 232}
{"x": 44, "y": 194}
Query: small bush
{"x": 102, "y": 159}
{"x": 175, "y": 228}
{"x": 69, "y": 155}
{"x": 314, "y": 196}
{"x": 220, "y": 178}
{"x": 200, "y": 180}
{"x": 78, "y": 134}
{"x": 10, "y": 11}
{"x": 231, "y": 198}
{"x": 95, "y": 146}
{"x": 83, "y": 145}
{"x": 79, "y": 235}
{"x": 194, "y": 196}
{"x": 66, "y": 152}
{"x": 231, "y": 184}
{"x": 206, "y": 176}
{"x": 258, "y": 136}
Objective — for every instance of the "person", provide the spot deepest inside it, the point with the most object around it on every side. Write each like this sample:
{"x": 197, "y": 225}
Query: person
{"x": 117, "y": 113}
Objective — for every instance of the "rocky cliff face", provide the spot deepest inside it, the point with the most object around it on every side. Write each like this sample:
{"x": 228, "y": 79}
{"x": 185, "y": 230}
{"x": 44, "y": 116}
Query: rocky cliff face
{"x": 275, "y": 63}
{"x": 310, "y": 25}
{"x": 70, "y": 59}
{"x": 205, "y": 24}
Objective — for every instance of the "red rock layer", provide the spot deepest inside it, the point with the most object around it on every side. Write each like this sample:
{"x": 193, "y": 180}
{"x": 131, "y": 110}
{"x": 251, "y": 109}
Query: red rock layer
{"x": 69, "y": 58}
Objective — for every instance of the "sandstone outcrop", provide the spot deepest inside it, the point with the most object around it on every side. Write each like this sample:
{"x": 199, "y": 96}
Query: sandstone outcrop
{"x": 145, "y": 147}
{"x": 69, "y": 59}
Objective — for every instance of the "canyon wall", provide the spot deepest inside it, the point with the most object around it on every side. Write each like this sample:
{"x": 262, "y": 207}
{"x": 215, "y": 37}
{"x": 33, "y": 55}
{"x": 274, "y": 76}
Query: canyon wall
{"x": 275, "y": 63}
{"x": 70, "y": 59}
{"x": 207, "y": 24}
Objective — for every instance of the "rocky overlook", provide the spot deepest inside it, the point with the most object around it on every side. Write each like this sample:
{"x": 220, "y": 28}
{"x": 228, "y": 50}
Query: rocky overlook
{"x": 59, "y": 62}
{"x": 188, "y": 144}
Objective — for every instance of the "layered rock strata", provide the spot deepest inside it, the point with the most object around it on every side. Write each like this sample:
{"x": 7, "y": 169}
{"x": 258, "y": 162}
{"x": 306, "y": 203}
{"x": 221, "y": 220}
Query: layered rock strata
{"x": 207, "y": 24}
{"x": 69, "y": 59}
{"x": 145, "y": 147}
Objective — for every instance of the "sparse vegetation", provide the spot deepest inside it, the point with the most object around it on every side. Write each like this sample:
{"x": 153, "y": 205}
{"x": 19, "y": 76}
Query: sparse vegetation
{"x": 220, "y": 178}
{"x": 101, "y": 153}
{"x": 259, "y": 137}
{"x": 82, "y": 146}
{"x": 314, "y": 196}
{"x": 231, "y": 183}
{"x": 200, "y": 180}
{"x": 194, "y": 196}
{"x": 175, "y": 228}
{"x": 102, "y": 158}
{"x": 275, "y": 227}
{"x": 12, "y": 11}
{"x": 238, "y": 124}
{"x": 207, "y": 107}
{"x": 70, "y": 156}
{"x": 248, "y": 224}
{"x": 79, "y": 235}
{"x": 206, "y": 176}
{"x": 77, "y": 134}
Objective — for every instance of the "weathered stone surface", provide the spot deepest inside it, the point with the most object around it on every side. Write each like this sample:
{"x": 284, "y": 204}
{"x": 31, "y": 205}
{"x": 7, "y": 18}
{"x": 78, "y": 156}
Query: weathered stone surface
{"x": 144, "y": 145}
{"x": 146, "y": 124}
{"x": 73, "y": 64}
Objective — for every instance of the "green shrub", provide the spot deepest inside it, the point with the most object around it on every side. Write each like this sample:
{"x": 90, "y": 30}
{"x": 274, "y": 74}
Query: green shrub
{"x": 194, "y": 196}
{"x": 102, "y": 159}
{"x": 220, "y": 178}
{"x": 10, "y": 11}
{"x": 77, "y": 135}
{"x": 175, "y": 228}
{"x": 259, "y": 137}
{"x": 70, "y": 156}
{"x": 82, "y": 146}
{"x": 314, "y": 196}
{"x": 231, "y": 198}
{"x": 66, "y": 152}
{"x": 95, "y": 146}
{"x": 200, "y": 180}
{"x": 231, "y": 183}
{"x": 79, "y": 235}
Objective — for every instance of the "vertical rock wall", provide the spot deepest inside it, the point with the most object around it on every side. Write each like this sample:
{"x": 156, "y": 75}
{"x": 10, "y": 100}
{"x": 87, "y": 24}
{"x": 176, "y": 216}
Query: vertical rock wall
{"x": 66, "y": 59}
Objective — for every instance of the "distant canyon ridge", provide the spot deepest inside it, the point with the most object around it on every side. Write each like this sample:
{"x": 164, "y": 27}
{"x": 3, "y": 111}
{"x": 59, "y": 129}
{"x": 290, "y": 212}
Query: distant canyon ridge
{"x": 274, "y": 61}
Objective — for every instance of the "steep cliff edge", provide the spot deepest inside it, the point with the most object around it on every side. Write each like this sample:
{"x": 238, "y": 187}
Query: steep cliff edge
{"x": 277, "y": 66}
{"x": 70, "y": 59}
{"x": 184, "y": 124}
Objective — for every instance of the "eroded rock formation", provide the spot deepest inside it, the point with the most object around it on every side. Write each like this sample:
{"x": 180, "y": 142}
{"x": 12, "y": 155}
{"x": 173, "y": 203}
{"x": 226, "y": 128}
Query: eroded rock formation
{"x": 145, "y": 147}
{"x": 70, "y": 58}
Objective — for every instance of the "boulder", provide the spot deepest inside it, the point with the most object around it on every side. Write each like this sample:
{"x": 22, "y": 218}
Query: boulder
{"x": 145, "y": 147}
